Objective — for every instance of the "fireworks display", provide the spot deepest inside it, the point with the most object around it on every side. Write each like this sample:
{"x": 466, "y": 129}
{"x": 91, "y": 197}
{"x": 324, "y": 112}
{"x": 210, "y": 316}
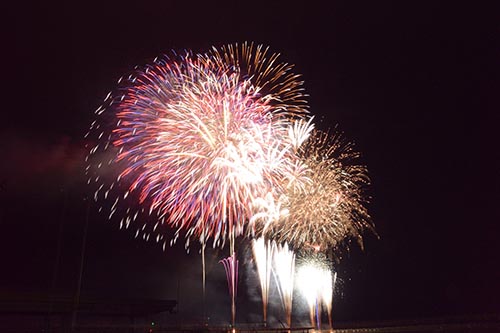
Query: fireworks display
{"x": 221, "y": 144}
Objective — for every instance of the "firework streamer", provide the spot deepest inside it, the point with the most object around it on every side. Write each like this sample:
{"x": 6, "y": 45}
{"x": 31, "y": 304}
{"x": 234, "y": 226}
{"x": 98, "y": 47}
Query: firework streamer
{"x": 262, "y": 253}
{"x": 284, "y": 271}
{"x": 231, "y": 267}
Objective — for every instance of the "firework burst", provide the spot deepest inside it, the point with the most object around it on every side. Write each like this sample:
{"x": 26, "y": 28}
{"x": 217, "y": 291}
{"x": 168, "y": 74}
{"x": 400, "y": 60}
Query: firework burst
{"x": 324, "y": 204}
{"x": 197, "y": 139}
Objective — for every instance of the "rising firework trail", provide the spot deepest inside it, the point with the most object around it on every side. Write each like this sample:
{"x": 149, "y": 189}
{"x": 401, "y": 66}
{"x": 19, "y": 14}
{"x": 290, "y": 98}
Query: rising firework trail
{"x": 231, "y": 267}
{"x": 284, "y": 272}
{"x": 263, "y": 255}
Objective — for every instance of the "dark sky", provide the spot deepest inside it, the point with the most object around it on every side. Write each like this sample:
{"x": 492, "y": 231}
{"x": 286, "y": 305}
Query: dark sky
{"x": 414, "y": 86}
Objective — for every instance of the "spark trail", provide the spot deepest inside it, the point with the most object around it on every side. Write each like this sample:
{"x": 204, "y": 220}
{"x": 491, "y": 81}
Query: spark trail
{"x": 263, "y": 255}
{"x": 231, "y": 267}
{"x": 284, "y": 272}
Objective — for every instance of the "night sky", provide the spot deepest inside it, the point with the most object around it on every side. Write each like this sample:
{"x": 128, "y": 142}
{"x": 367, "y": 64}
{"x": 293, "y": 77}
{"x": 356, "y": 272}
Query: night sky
{"x": 414, "y": 86}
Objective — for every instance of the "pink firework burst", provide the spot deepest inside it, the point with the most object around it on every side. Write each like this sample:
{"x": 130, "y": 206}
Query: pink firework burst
{"x": 196, "y": 141}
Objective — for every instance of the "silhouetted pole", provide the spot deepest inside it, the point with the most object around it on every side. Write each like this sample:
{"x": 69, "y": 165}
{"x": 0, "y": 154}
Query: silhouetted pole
{"x": 204, "y": 279}
{"x": 57, "y": 261}
{"x": 80, "y": 273}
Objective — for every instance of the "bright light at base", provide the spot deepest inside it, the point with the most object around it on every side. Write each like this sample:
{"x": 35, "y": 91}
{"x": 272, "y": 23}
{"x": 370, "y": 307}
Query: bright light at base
{"x": 316, "y": 285}
{"x": 306, "y": 276}
{"x": 314, "y": 282}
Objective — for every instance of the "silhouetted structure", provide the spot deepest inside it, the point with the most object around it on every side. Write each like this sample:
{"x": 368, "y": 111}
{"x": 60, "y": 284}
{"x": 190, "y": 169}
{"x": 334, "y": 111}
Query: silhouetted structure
{"x": 41, "y": 313}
